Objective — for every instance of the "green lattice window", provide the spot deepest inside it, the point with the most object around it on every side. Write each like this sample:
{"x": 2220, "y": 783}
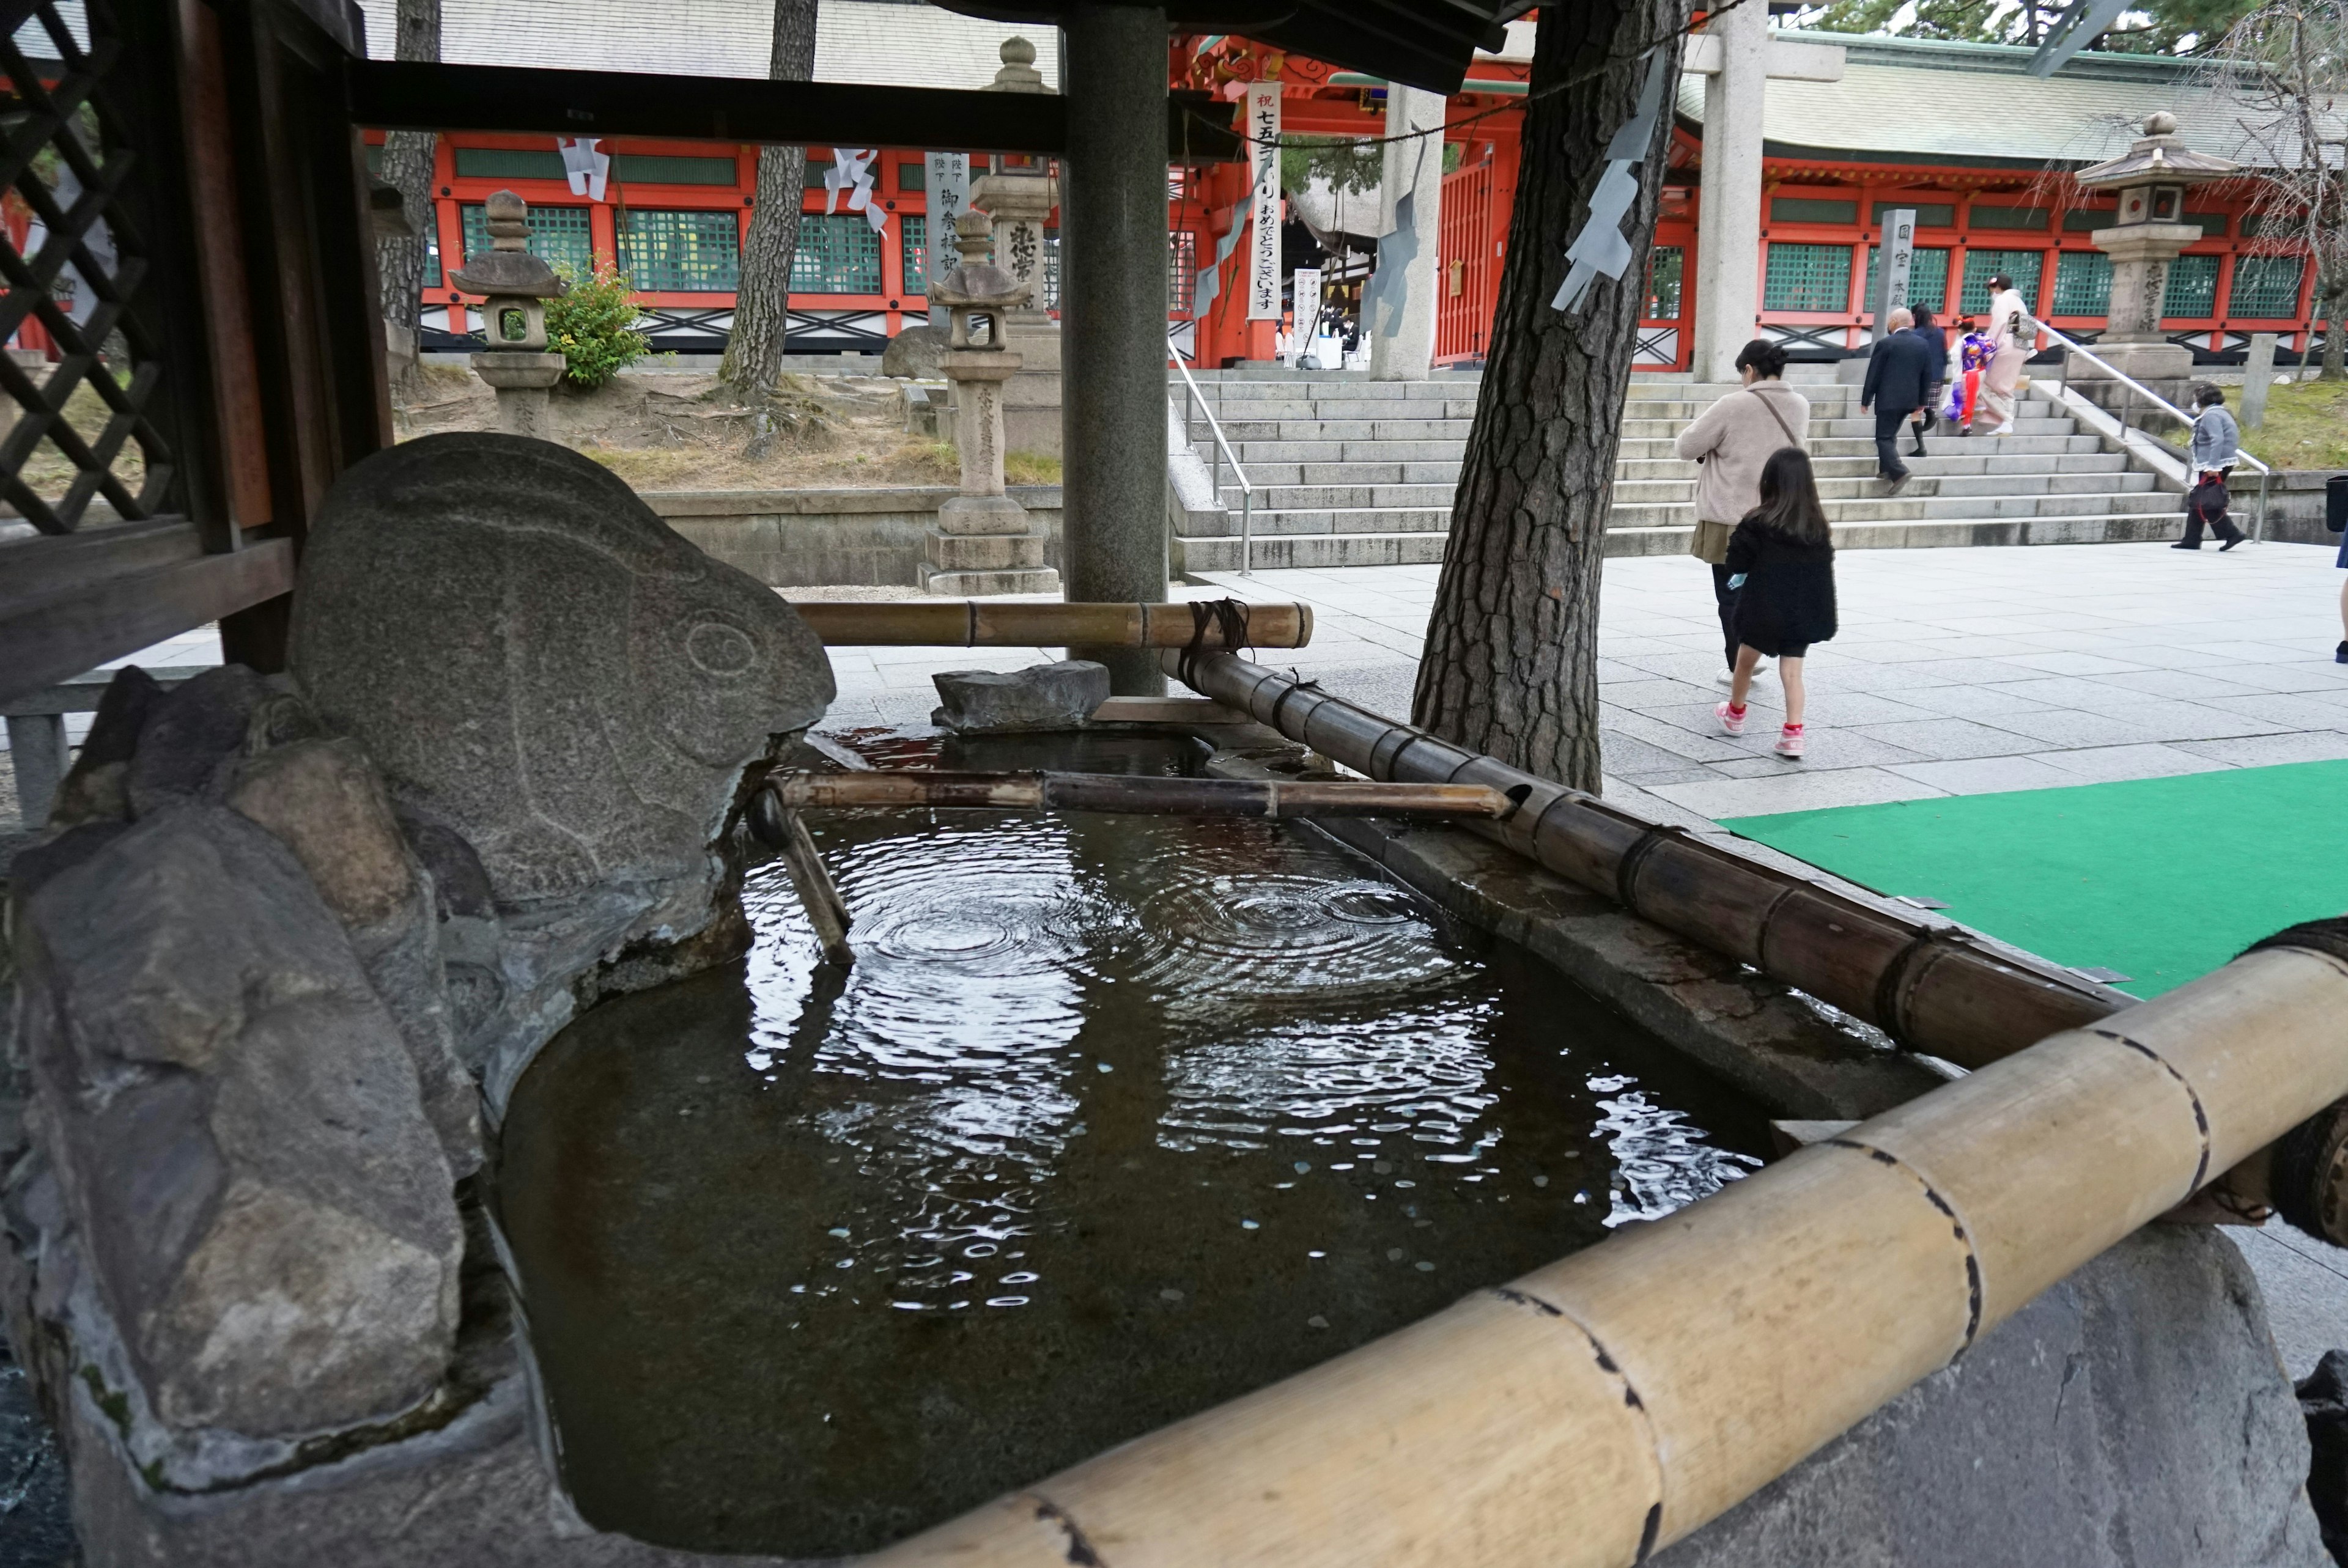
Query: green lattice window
{"x": 1182, "y": 274}
{"x": 1928, "y": 278}
{"x": 1806, "y": 278}
{"x": 680, "y": 252}
{"x": 1051, "y": 269}
{"x": 1981, "y": 266}
{"x": 838, "y": 253}
{"x": 913, "y": 243}
{"x": 2267, "y": 287}
{"x": 2083, "y": 283}
{"x": 1666, "y": 274}
{"x": 2192, "y": 287}
{"x": 558, "y": 236}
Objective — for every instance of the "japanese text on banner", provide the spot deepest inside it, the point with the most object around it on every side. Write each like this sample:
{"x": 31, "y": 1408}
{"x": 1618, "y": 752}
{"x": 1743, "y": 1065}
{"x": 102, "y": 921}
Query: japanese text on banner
{"x": 1263, "y": 237}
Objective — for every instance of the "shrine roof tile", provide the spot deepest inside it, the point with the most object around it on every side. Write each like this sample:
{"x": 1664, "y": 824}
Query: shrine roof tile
{"x": 1924, "y": 100}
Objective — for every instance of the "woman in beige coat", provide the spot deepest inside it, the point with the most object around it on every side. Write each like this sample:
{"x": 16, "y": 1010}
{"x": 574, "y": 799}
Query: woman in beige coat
{"x": 1732, "y": 440}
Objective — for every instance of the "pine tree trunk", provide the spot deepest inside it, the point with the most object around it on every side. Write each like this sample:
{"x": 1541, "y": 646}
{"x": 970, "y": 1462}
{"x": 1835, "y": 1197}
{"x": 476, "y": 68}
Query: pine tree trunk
{"x": 762, "y": 305}
{"x": 408, "y": 157}
{"x": 2336, "y": 340}
{"x": 1511, "y": 646}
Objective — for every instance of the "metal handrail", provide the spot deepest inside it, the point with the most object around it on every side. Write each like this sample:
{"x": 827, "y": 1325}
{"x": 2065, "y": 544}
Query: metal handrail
{"x": 2138, "y": 389}
{"x": 1214, "y": 471}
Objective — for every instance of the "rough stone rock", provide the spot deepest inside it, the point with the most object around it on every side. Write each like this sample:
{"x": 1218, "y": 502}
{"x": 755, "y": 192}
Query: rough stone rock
{"x": 234, "y": 1135}
{"x": 2134, "y": 1416}
{"x": 190, "y": 730}
{"x": 535, "y": 662}
{"x": 1062, "y": 696}
{"x": 914, "y": 353}
{"x": 2324, "y": 1401}
{"x": 98, "y": 786}
{"x": 322, "y": 801}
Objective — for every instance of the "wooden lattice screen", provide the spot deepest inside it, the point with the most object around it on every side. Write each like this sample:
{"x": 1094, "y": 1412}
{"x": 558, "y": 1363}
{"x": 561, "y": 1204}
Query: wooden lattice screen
{"x": 75, "y": 260}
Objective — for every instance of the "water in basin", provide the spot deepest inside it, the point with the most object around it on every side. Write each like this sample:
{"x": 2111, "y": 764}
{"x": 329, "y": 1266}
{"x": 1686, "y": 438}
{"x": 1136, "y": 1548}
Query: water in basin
{"x": 1114, "y": 1119}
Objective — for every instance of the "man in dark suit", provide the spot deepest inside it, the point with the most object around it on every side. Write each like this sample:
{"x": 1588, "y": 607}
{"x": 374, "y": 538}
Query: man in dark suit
{"x": 1900, "y": 375}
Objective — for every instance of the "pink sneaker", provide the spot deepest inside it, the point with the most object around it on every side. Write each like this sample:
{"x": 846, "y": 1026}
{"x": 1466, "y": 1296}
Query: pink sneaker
{"x": 1789, "y": 743}
{"x": 1732, "y": 720}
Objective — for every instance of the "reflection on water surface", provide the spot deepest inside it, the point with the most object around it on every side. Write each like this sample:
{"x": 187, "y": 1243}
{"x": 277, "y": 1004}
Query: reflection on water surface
{"x": 1114, "y": 1119}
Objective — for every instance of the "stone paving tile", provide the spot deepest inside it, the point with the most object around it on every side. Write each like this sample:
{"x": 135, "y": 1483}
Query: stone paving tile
{"x": 2185, "y": 685}
{"x": 1649, "y": 693}
{"x": 1948, "y": 739}
{"x": 1794, "y": 789}
{"x": 2069, "y": 727}
{"x": 2074, "y": 663}
{"x": 2111, "y": 764}
{"x": 2267, "y": 751}
{"x": 2297, "y": 712}
{"x": 1692, "y": 745}
{"x": 1986, "y": 775}
{"x": 1983, "y": 702}
{"x": 2196, "y": 720}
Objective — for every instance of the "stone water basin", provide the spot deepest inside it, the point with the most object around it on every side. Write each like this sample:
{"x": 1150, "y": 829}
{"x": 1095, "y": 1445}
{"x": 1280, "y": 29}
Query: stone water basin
{"x": 1114, "y": 1119}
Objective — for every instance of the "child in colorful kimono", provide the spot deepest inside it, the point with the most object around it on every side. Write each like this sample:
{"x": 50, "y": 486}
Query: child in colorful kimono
{"x": 1974, "y": 352}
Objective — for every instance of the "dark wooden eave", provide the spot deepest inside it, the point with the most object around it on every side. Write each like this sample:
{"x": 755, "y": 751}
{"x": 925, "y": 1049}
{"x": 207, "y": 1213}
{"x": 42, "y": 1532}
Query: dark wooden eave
{"x": 400, "y": 95}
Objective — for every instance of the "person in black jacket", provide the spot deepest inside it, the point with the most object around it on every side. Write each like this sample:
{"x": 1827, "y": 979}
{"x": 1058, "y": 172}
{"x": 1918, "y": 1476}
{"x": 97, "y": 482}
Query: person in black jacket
{"x": 1899, "y": 377}
{"x": 1781, "y": 562}
{"x": 1937, "y": 339}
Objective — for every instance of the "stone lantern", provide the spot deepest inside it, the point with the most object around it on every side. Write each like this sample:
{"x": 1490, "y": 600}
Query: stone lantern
{"x": 983, "y": 542}
{"x": 515, "y": 286}
{"x": 2151, "y": 180}
{"x": 1018, "y": 191}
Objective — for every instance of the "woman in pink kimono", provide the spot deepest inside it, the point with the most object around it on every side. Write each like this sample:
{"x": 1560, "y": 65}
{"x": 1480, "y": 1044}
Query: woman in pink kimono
{"x": 2007, "y": 315}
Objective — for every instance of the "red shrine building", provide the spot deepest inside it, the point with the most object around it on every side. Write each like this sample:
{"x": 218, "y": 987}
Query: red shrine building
{"x": 1960, "y": 132}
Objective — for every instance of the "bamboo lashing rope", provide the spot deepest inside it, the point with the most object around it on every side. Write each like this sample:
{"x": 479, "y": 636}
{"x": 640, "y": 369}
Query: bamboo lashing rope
{"x": 1610, "y": 1404}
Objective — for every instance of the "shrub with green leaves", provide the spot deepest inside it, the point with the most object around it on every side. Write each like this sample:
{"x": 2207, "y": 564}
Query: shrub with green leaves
{"x": 593, "y": 325}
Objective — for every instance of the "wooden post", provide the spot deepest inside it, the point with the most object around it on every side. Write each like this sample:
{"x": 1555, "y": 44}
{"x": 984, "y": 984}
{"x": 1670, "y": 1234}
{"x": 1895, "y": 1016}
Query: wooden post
{"x": 1612, "y": 1403}
{"x": 1932, "y": 987}
{"x": 780, "y": 829}
{"x": 1277, "y": 798}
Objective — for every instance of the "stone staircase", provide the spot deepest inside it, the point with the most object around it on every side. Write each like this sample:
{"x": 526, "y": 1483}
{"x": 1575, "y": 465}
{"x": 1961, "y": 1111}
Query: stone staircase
{"x": 1352, "y": 472}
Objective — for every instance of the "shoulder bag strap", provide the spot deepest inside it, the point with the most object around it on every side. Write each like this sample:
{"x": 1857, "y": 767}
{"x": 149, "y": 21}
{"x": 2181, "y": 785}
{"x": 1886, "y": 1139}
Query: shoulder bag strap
{"x": 1771, "y": 405}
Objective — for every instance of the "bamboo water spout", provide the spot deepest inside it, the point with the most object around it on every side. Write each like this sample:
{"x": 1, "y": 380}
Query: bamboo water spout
{"x": 1933, "y": 989}
{"x": 1612, "y": 1403}
{"x": 1128, "y": 793}
{"x": 980, "y": 623}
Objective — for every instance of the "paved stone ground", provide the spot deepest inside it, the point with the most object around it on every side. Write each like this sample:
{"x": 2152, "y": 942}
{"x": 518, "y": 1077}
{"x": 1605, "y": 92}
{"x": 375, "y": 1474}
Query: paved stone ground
{"x": 1958, "y": 672}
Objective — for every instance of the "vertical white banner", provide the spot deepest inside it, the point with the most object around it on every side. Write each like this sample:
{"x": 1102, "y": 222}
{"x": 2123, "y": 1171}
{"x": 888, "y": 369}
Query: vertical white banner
{"x": 947, "y": 179}
{"x": 1263, "y": 237}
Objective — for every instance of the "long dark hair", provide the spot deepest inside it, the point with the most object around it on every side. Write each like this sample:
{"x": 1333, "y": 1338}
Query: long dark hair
{"x": 1789, "y": 498}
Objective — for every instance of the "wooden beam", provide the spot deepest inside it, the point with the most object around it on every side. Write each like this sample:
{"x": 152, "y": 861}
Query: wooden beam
{"x": 77, "y": 626}
{"x": 409, "y": 95}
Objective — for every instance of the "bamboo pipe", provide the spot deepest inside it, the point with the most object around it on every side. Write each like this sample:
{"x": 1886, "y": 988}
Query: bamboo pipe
{"x": 1616, "y": 1401}
{"x": 794, "y": 792}
{"x": 1935, "y": 989}
{"x": 984, "y": 623}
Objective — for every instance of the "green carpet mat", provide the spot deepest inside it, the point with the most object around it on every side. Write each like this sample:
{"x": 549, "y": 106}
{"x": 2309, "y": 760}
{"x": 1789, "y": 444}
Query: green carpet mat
{"x": 2162, "y": 879}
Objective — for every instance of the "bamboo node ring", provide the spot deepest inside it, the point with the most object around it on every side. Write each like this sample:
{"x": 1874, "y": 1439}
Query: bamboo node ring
{"x": 1974, "y": 1293}
{"x": 1080, "y": 1551}
{"x": 2200, "y": 1116}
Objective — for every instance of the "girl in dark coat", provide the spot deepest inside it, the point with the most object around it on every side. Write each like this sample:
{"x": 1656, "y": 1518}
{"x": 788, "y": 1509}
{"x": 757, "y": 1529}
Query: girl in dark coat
{"x": 1781, "y": 564}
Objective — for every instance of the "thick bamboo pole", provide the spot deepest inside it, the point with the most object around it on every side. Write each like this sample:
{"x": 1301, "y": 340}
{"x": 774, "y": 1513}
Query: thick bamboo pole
{"x": 1125, "y": 792}
{"x": 1931, "y": 988}
{"x": 1612, "y": 1403}
{"x": 986, "y": 623}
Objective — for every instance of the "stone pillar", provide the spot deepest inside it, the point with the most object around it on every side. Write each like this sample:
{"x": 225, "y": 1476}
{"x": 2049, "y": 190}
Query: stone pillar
{"x": 1019, "y": 194}
{"x": 2257, "y": 379}
{"x": 1113, "y": 310}
{"x": 984, "y": 542}
{"x": 1402, "y": 328}
{"x": 1728, "y": 217}
{"x": 524, "y": 383}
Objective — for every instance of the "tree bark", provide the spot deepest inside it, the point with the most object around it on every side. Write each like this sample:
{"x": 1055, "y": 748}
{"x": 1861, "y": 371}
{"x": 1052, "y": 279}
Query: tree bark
{"x": 2336, "y": 340}
{"x": 762, "y": 305}
{"x": 1511, "y": 646}
{"x": 408, "y": 157}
